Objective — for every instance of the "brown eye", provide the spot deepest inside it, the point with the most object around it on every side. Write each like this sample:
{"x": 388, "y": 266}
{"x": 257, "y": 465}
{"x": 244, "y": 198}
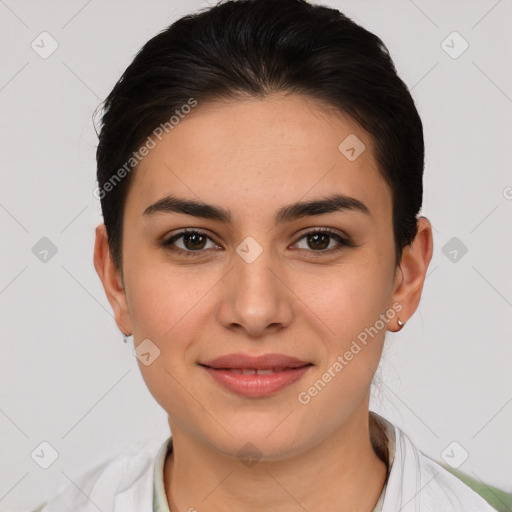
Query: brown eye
{"x": 322, "y": 241}
{"x": 192, "y": 242}
{"x": 318, "y": 240}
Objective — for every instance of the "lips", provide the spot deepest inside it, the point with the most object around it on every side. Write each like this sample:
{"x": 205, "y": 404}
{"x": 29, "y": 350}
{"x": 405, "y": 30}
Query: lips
{"x": 252, "y": 371}
{"x": 255, "y": 377}
{"x": 263, "y": 362}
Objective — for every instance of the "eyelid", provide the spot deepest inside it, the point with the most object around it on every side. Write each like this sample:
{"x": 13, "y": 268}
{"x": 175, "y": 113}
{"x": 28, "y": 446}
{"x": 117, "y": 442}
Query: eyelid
{"x": 329, "y": 231}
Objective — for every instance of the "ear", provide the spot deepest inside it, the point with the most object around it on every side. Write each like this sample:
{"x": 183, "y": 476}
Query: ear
{"x": 410, "y": 277}
{"x": 112, "y": 280}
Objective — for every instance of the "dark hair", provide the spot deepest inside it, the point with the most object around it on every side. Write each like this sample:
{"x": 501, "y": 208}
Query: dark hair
{"x": 255, "y": 48}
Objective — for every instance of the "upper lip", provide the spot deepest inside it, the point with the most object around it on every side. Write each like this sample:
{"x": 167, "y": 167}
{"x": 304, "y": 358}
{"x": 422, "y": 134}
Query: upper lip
{"x": 262, "y": 362}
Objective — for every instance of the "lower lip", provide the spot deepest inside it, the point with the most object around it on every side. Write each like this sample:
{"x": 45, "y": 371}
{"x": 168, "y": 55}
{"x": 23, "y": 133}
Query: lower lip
{"x": 255, "y": 386}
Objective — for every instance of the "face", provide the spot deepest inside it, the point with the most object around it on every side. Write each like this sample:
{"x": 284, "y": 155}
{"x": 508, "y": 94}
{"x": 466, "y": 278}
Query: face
{"x": 306, "y": 283}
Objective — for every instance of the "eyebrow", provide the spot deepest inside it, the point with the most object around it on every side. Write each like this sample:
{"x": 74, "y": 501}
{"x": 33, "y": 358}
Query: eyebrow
{"x": 333, "y": 203}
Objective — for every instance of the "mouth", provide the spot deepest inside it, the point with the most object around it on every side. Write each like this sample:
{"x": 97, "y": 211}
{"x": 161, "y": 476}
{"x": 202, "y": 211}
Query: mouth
{"x": 252, "y": 371}
{"x": 256, "y": 377}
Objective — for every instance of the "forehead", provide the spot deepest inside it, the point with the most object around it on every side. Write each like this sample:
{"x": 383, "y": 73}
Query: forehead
{"x": 257, "y": 153}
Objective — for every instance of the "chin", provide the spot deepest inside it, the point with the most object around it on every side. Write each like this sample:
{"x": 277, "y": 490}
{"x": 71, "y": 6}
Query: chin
{"x": 259, "y": 438}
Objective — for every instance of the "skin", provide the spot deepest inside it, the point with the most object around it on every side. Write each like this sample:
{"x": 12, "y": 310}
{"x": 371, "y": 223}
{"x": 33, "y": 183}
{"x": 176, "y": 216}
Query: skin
{"x": 252, "y": 157}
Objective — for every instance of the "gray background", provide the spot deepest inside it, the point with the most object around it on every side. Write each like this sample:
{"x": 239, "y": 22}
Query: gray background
{"x": 67, "y": 378}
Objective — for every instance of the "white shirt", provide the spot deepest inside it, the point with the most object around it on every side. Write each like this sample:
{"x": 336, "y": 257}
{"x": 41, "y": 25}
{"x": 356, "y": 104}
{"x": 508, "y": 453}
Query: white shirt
{"x": 133, "y": 482}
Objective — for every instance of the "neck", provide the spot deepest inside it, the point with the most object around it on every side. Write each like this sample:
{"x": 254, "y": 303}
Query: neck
{"x": 342, "y": 472}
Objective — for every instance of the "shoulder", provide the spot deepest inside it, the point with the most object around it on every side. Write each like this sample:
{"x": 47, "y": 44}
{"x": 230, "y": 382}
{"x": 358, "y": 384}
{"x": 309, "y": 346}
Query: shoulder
{"x": 417, "y": 483}
{"x": 123, "y": 483}
{"x": 444, "y": 491}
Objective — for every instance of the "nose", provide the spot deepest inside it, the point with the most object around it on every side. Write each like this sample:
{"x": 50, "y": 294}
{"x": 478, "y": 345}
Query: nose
{"x": 255, "y": 297}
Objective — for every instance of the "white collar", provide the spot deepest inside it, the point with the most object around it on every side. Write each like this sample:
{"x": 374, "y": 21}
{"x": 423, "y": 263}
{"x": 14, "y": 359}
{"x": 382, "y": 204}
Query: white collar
{"x": 133, "y": 482}
{"x": 415, "y": 483}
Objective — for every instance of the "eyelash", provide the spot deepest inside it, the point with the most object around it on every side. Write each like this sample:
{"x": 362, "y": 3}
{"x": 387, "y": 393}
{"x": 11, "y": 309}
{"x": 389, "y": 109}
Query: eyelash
{"x": 344, "y": 242}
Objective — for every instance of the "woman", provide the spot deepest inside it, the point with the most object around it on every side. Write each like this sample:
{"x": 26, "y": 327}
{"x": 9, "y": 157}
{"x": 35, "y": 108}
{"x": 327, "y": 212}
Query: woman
{"x": 260, "y": 175}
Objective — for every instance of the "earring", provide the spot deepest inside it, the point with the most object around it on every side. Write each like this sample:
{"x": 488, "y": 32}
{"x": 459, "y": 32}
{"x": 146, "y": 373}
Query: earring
{"x": 125, "y": 337}
{"x": 400, "y": 323}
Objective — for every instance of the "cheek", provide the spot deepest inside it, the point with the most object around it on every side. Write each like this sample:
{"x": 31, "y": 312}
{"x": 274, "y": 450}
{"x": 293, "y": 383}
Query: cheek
{"x": 165, "y": 309}
{"x": 351, "y": 306}
{"x": 350, "y": 300}
{"x": 165, "y": 299}
{"x": 347, "y": 297}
